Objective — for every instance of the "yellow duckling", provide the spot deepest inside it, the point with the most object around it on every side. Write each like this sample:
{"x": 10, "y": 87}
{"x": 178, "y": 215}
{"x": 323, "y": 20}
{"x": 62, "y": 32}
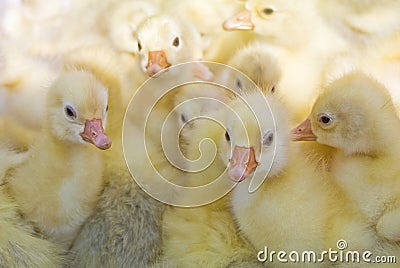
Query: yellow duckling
{"x": 61, "y": 165}
{"x": 297, "y": 207}
{"x": 137, "y": 240}
{"x": 164, "y": 40}
{"x": 356, "y": 116}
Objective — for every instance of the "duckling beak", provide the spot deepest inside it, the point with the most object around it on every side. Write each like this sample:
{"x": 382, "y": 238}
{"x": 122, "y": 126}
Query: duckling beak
{"x": 201, "y": 71}
{"x": 157, "y": 62}
{"x": 94, "y": 133}
{"x": 239, "y": 22}
{"x": 303, "y": 132}
{"x": 242, "y": 163}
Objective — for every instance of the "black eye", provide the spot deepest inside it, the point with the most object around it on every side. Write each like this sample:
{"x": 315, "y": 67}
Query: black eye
{"x": 273, "y": 89}
{"x": 325, "y": 119}
{"x": 227, "y": 137}
{"x": 176, "y": 42}
{"x": 70, "y": 112}
{"x": 183, "y": 118}
{"x": 239, "y": 84}
{"x": 139, "y": 46}
{"x": 107, "y": 108}
{"x": 268, "y": 11}
{"x": 268, "y": 138}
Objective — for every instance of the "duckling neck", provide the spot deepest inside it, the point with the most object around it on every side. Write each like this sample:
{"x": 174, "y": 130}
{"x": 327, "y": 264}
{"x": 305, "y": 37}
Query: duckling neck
{"x": 64, "y": 149}
{"x": 387, "y": 144}
{"x": 284, "y": 164}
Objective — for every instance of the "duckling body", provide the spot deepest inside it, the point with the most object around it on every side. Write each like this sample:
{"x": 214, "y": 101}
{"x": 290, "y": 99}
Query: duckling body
{"x": 20, "y": 246}
{"x": 70, "y": 170}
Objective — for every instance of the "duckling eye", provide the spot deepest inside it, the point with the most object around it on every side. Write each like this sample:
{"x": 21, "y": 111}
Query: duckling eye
{"x": 239, "y": 84}
{"x": 183, "y": 118}
{"x": 139, "y": 46}
{"x": 268, "y": 11}
{"x": 227, "y": 137}
{"x": 325, "y": 119}
{"x": 70, "y": 112}
{"x": 273, "y": 89}
{"x": 176, "y": 42}
{"x": 107, "y": 108}
{"x": 268, "y": 138}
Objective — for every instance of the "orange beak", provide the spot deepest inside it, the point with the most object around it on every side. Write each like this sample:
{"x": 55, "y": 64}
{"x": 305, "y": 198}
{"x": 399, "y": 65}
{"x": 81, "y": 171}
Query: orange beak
{"x": 242, "y": 163}
{"x": 239, "y": 22}
{"x": 94, "y": 133}
{"x": 157, "y": 62}
{"x": 303, "y": 132}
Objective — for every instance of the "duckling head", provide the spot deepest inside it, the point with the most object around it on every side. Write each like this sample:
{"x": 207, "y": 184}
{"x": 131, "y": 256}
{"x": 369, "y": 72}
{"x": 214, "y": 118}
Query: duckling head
{"x": 259, "y": 65}
{"x": 256, "y": 137}
{"x": 196, "y": 100}
{"x": 354, "y": 113}
{"x": 275, "y": 19}
{"x": 77, "y": 109}
{"x": 163, "y": 41}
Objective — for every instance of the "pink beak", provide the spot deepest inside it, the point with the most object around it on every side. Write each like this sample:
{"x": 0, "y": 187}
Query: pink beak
{"x": 94, "y": 133}
{"x": 157, "y": 62}
{"x": 303, "y": 132}
{"x": 239, "y": 22}
{"x": 242, "y": 163}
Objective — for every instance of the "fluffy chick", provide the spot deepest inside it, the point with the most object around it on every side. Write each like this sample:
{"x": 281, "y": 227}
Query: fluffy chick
{"x": 62, "y": 166}
{"x": 297, "y": 207}
{"x": 163, "y": 40}
{"x": 355, "y": 115}
{"x": 125, "y": 229}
